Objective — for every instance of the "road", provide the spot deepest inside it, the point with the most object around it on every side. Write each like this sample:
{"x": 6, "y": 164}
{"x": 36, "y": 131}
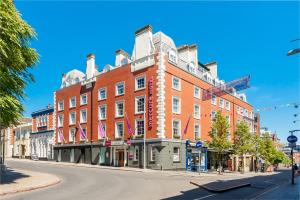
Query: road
{"x": 92, "y": 183}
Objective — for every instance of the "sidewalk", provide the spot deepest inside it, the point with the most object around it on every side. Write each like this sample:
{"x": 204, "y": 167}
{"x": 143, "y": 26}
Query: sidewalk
{"x": 227, "y": 176}
{"x": 286, "y": 191}
{"x": 16, "y": 180}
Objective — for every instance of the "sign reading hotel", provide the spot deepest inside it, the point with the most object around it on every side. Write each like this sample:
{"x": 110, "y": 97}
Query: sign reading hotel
{"x": 150, "y": 102}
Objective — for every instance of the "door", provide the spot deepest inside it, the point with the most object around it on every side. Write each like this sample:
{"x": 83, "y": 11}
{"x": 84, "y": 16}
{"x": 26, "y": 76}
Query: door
{"x": 121, "y": 159}
{"x": 23, "y": 150}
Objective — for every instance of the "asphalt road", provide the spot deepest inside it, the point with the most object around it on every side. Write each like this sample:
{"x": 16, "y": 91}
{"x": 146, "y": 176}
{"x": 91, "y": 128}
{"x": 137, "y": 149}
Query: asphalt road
{"x": 90, "y": 183}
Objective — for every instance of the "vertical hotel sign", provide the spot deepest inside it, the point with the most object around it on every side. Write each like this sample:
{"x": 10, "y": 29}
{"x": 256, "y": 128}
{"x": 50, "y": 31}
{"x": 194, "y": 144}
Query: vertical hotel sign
{"x": 150, "y": 102}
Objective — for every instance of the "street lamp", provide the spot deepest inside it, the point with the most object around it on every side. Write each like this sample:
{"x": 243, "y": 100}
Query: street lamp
{"x": 293, "y": 51}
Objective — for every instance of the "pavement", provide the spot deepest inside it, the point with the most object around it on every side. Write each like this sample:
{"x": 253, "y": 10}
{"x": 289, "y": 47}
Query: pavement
{"x": 19, "y": 180}
{"x": 80, "y": 181}
{"x": 286, "y": 191}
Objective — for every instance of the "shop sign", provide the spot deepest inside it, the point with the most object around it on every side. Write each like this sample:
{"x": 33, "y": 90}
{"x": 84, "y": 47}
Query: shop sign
{"x": 107, "y": 143}
{"x": 150, "y": 102}
{"x": 130, "y": 155}
{"x": 117, "y": 143}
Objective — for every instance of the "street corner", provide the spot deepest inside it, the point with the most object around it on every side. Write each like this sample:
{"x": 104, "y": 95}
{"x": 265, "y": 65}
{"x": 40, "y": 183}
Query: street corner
{"x": 16, "y": 180}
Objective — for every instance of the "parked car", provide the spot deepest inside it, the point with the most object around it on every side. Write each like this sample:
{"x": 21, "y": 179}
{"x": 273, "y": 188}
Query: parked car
{"x": 34, "y": 157}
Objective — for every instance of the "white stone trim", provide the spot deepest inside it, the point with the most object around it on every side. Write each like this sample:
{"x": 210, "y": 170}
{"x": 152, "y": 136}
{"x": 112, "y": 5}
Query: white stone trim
{"x": 161, "y": 95}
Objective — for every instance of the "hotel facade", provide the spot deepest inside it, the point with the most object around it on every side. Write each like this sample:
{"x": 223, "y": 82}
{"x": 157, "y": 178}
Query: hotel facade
{"x": 157, "y": 93}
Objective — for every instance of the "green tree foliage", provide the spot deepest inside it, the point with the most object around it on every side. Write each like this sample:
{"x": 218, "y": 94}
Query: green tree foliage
{"x": 16, "y": 59}
{"x": 219, "y": 137}
{"x": 243, "y": 143}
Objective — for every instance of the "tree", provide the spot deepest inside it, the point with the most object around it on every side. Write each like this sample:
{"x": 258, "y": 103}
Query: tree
{"x": 267, "y": 150}
{"x": 219, "y": 137}
{"x": 256, "y": 141}
{"x": 16, "y": 59}
{"x": 243, "y": 141}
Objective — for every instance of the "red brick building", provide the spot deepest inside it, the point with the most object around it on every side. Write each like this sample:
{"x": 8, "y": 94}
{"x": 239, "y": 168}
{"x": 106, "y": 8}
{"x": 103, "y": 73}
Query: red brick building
{"x": 169, "y": 80}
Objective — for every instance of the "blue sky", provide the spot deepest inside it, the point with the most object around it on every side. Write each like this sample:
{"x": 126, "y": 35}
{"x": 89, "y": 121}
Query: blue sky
{"x": 243, "y": 37}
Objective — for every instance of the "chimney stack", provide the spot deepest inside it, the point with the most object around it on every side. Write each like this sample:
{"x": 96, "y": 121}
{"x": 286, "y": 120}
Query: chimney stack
{"x": 90, "y": 66}
{"x": 143, "y": 45}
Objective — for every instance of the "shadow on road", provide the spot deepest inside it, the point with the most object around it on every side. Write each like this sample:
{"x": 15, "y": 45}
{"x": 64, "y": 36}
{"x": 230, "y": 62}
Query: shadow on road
{"x": 259, "y": 184}
{"x": 10, "y": 176}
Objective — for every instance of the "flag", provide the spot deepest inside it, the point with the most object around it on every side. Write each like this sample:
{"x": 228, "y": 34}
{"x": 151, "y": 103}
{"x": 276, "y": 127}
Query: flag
{"x": 130, "y": 130}
{"x": 82, "y": 133}
{"x": 101, "y": 129}
{"x": 187, "y": 125}
{"x": 61, "y": 136}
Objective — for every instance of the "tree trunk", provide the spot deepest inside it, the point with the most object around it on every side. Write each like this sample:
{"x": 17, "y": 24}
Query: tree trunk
{"x": 220, "y": 163}
{"x": 242, "y": 170}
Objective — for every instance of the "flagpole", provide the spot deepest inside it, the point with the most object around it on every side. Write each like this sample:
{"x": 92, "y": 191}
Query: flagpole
{"x": 145, "y": 134}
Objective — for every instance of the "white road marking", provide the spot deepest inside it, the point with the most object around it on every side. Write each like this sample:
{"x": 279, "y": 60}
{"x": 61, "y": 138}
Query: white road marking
{"x": 265, "y": 192}
{"x": 205, "y": 197}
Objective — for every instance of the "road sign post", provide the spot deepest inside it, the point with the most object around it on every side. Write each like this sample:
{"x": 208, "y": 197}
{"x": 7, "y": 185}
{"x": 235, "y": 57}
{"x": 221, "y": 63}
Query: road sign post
{"x": 292, "y": 139}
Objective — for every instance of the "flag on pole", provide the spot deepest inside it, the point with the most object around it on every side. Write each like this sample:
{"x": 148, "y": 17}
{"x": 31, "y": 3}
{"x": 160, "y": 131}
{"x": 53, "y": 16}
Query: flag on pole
{"x": 187, "y": 125}
{"x": 61, "y": 136}
{"x": 130, "y": 130}
{"x": 101, "y": 129}
{"x": 82, "y": 133}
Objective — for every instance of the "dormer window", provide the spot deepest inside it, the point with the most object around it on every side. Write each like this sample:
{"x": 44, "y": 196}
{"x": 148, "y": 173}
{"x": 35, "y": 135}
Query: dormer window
{"x": 124, "y": 61}
{"x": 172, "y": 56}
{"x": 192, "y": 68}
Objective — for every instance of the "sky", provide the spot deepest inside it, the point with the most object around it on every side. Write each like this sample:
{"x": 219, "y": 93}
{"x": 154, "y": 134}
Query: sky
{"x": 243, "y": 37}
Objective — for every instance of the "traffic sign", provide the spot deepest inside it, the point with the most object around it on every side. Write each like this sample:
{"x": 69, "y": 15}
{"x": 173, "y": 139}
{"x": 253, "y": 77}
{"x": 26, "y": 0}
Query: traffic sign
{"x": 292, "y": 139}
{"x": 199, "y": 144}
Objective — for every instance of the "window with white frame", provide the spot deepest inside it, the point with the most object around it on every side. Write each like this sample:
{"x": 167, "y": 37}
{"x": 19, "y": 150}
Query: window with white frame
{"x": 72, "y": 102}
{"x": 196, "y": 111}
{"x": 72, "y": 133}
{"x": 102, "y": 112}
{"x": 60, "y": 120}
{"x": 139, "y": 105}
{"x": 60, "y": 105}
{"x": 196, "y": 92}
{"x": 83, "y": 116}
{"x": 221, "y": 103}
{"x": 120, "y": 109}
{"x": 83, "y": 99}
{"x": 152, "y": 154}
{"x": 228, "y": 136}
{"x": 192, "y": 67}
{"x": 102, "y": 94}
{"x": 140, "y": 126}
{"x": 84, "y": 130}
{"x": 214, "y": 100}
{"x": 140, "y": 83}
{"x": 227, "y": 105}
{"x": 197, "y": 131}
{"x": 119, "y": 129}
{"x": 176, "y": 128}
{"x": 213, "y": 115}
{"x": 176, "y": 105}
{"x": 72, "y": 118}
{"x": 172, "y": 56}
{"x": 136, "y": 154}
{"x": 120, "y": 88}
{"x": 104, "y": 129}
{"x": 176, "y": 154}
{"x": 228, "y": 119}
{"x": 176, "y": 83}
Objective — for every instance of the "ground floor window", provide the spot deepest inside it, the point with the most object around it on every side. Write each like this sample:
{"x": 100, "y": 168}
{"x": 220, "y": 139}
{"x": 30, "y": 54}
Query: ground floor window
{"x": 136, "y": 154}
{"x": 176, "y": 154}
{"x": 152, "y": 154}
